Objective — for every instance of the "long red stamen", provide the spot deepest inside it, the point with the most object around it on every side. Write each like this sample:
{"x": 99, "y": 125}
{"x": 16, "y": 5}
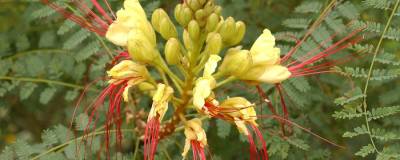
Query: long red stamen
{"x": 253, "y": 147}
{"x": 336, "y": 47}
{"x": 99, "y": 26}
{"x": 197, "y": 150}
{"x": 263, "y": 143}
{"x": 151, "y": 136}
{"x": 102, "y": 11}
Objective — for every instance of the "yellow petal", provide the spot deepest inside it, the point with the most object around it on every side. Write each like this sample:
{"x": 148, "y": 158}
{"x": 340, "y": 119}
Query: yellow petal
{"x": 274, "y": 74}
{"x": 263, "y": 50}
{"x": 211, "y": 65}
{"x": 202, "y": 90}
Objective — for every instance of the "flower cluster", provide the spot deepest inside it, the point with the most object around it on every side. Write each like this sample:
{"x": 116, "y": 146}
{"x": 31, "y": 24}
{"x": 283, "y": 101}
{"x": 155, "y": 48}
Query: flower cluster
{"x": 189, "y": 71}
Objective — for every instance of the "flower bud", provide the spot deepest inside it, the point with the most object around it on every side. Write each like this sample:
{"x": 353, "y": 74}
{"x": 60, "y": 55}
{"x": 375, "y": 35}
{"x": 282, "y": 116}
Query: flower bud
{"x": 240, "y": 31}
{"x": 212, "y": 22}
{"x": 187, "y": 16}
{"x": 163, "y": 24}
{"x": 183, "y": 14}
{"x": 194, "y": 30}
{"x": 177, "y": 13}
{"x": 193, "y": 4}
{"x": 214, "y": 43}
{"x": 140, "y": 48}
{"x": 228, "y": 29}
{"x": 173, "y": 51}
{"x": 202, "y": 2}
{"x": 200, "y": 14}
{"x": 187, "y": 41}
{"x": 209, "y": 8}
{"x": 236, "y": 62}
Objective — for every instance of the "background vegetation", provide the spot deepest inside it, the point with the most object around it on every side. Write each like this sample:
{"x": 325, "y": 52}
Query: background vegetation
{"x": 46, "y": 61}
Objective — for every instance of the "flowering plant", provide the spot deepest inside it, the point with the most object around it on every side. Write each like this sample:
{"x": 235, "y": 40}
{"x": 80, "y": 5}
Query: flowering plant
{"x": 195, "y": 62}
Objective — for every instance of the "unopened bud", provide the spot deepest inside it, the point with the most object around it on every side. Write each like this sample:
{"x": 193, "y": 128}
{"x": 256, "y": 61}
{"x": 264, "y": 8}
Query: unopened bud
{"x": 141, "y": 48}
{"x": 240, "y": 28}
{"x": 217, "y": 10}
{"x": 193, "y": 4}
{"x": 236, "y": 62}
{"x": 183, "y": 14}
{"x": 228, "y": 29}
{"x": 214, "y": 43}
{"x": 194, "y": 30}
{"x": 187, "y": 41}
{"x": 200, "y": 15}
{"x": 212, "y": 22}
{"x": 172, "y": 51}
{"x": 209, "y": 8}
{"x": 202, "y": 2}
{"x": 163, "y": 24}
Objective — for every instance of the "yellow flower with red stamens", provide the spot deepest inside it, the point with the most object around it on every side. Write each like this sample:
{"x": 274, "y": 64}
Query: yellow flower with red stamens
{"x": 195, "y": 137}
{"x": 265, "y": 61}
{"x": 156, "y": 114}
{"x": 127, "y": 72}
{"x": 131, "y": 17}
{"x": 204, "y": 85}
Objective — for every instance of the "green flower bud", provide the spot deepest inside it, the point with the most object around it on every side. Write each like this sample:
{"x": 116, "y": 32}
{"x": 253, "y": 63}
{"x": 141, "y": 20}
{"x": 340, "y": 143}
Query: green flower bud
{"x": 218, "y": 10}
{"x": 177, "y": 12}
{"x": 194, "y": 30}
{"x": 228, "y": 29}
{"x": 202, "y": 2}
{"x": 193, "y": 4}
{"x": 214, "y": 43}
{"x": 163, "y": 24}
{"x": 183, "y": 14}
{"x": 172, "y": 51}
{"x": 212, "y": 22}
{"x": 141, "y": 48}
{"x": 209, "y": 8}
{"x": 200, "y": 14}
{"x": 236, "y": 62}
{"x": 187, "y": 41}
{"x": 187, "y": 16}
{"x": 240, "y": 28}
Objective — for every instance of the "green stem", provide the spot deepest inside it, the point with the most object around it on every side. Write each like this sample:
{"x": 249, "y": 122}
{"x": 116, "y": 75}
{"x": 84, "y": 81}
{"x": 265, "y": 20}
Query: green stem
{"x": 371, "y": 67}
{"x": 19, "y": 54}
{"x": 76, "y": 139}
{"x": 136, "y": 149}
{"x": 47, "y": 81}
{"x": 225, "y": 81}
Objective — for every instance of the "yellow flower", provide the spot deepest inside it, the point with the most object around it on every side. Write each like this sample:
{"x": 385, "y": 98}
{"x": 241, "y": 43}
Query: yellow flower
{"x": 264, "y": 51}
{"x": 204, "y": 85}
{"x": 265, "y": 61}
{"x": 129, "y": 71}
{"x": 131, "y": 17}
{"x": 241, "y": 111}
{"x": 194, "y": 132}
{"x": 160, "y": 102}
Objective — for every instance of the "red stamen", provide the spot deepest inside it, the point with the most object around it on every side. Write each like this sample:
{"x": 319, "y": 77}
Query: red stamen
{"x": 263, "y": 143}
{"x": 99, "y": 26}
{"x": 336, "y": 47}
{"x": 197, "y": 150}
{"x": 102, "y": 11}
{"x": 253, "y": 147}
{"x": 151, "y": 136}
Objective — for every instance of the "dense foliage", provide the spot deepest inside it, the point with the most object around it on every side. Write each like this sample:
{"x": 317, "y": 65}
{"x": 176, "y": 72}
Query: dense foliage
{"x": 47, "y": 61}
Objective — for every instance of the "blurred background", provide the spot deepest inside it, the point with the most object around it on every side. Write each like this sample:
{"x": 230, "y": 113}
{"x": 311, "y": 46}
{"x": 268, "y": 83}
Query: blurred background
{"x": 46, "y": 61}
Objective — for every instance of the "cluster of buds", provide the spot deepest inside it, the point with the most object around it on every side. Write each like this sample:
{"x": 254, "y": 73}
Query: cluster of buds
{"x": 195, "y": 76}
